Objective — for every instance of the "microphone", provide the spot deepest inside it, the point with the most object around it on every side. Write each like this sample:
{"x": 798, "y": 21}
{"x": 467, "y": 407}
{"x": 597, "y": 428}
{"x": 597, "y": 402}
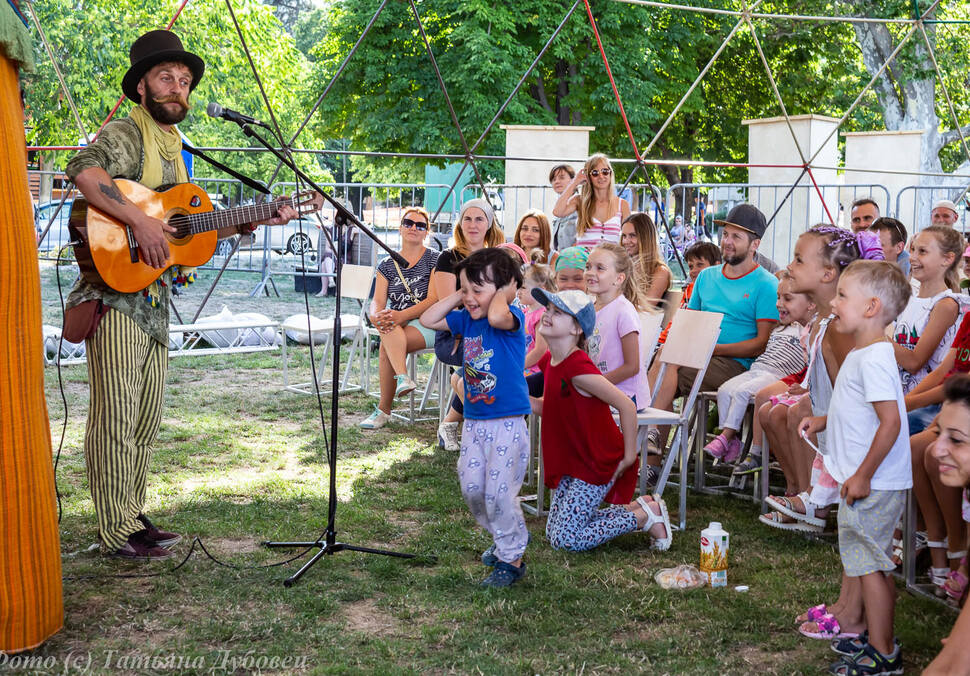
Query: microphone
{"x": 215, "y": 110}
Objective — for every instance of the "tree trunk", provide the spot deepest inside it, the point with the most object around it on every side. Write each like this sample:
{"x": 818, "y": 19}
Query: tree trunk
{"x": 908, "y": 103}
{"x": 563, "y": 72}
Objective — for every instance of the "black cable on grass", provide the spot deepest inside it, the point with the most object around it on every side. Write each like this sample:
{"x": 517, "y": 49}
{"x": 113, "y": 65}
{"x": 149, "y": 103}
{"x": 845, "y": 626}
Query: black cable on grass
{"x": 196, "y": 541}
{"x": 60, "y": 386}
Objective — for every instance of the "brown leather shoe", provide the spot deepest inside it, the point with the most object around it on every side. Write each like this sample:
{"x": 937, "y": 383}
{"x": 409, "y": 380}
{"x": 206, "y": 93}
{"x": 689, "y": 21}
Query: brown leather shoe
{"x": 139, "y": 549}
{"x": 159, "y": 538}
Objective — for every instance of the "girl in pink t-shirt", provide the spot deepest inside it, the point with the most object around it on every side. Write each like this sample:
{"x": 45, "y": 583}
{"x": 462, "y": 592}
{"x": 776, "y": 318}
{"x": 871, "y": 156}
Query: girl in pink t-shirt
{"x": 615, "y": 344}
{"x": 534, "y": 277}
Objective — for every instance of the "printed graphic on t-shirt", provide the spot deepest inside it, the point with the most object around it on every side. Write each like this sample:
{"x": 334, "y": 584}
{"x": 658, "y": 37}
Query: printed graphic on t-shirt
{"x": 593, "y": 349}
{"x": 907, "y": 336}
{"x": 479, "y": 382}
{"x": 403, "y": 297}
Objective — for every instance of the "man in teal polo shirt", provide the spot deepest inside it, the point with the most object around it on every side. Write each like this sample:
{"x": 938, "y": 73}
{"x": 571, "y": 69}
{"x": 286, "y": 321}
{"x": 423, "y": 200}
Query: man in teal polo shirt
{"x": 746, "y": 294}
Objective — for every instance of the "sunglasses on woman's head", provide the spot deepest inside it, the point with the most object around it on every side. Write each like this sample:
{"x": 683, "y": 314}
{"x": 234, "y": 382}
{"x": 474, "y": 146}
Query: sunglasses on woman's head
{"x": 596, "y": 172}
{"x": 417, "y": 225}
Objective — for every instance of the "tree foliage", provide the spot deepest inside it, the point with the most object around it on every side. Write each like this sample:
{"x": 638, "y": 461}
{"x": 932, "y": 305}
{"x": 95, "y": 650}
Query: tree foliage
{"x": 91, "y": 39}
{"x": 389, "y": 99}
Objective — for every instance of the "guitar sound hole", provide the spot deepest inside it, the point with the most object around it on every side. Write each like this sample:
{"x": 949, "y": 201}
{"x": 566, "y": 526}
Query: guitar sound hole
{"x": 181, "y": 224}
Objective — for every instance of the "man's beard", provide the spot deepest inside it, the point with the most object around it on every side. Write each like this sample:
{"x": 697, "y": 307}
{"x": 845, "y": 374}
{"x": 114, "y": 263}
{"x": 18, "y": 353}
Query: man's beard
{"x": 156, "y": 106}
{"x": 735, "y": 259}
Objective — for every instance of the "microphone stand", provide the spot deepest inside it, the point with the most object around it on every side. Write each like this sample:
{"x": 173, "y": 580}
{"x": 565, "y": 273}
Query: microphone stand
{"x": 343, "y": 217}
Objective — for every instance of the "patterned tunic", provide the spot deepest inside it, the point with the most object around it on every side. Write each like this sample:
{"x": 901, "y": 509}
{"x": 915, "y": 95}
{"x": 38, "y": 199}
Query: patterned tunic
{"x": 119, "y": 151}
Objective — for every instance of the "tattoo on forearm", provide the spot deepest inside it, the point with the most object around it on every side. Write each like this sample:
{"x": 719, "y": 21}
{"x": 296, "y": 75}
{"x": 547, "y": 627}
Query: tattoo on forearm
{"x": 110, "y": 190}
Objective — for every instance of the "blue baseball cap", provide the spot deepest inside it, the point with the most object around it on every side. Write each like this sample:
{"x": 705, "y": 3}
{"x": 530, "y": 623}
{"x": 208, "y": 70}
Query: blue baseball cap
{"x": 574, "y": 303}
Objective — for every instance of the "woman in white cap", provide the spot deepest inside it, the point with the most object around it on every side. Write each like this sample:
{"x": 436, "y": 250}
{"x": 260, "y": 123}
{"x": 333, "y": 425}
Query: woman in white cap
{"x": 477, "y": 229}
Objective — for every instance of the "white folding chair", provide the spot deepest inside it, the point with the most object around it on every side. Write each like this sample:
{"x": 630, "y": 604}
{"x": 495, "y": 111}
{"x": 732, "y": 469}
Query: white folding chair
{"x": 356, "y": 282}
{"x": 651, "y": 324}
{"x": 437, "y": 382}
{"x": 672, "y": 299}
{"x": 690, "y": 344}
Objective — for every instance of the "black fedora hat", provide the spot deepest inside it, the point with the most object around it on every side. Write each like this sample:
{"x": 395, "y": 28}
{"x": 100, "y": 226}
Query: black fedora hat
{"x": 151, "y": 49}
{"x": 747, "y": 217}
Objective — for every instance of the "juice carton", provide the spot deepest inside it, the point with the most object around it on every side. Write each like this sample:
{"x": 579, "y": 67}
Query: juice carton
{"x": 714, "y": 554}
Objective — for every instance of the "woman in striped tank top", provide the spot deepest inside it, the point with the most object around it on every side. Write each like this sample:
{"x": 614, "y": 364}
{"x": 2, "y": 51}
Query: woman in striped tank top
{"x": 600, "y": 212}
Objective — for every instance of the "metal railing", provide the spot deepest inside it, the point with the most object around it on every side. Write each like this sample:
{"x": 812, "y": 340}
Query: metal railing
{"x": 790, "y": 210}
{"x": 304, "y": 247}
{"x": 914, "y": 203}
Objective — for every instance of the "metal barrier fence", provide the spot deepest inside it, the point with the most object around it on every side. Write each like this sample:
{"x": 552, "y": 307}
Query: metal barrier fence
{"x": 914, "y": 203}
{"x": 795, "y": 209}
{"x": 303, "y": 247}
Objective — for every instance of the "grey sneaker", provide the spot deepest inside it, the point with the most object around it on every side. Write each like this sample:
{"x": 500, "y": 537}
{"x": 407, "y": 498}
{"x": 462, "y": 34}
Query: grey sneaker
{"x": 653, "y": 443}
{"x": 750, "y": 465}
{"x": 375, "y": 420}
{"x": 448, "y": 436}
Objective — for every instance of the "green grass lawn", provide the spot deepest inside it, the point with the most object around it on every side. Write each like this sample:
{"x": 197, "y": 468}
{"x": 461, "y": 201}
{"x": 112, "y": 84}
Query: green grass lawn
{"x": 239, "y": 461}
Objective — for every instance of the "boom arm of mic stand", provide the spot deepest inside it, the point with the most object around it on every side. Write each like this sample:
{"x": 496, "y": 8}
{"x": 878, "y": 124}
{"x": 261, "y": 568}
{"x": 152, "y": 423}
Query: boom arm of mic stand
{"x": 344, "y": 215}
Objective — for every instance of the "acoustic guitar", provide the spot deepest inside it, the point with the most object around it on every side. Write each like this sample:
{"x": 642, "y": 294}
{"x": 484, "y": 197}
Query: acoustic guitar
{"x": 106, "y": 250}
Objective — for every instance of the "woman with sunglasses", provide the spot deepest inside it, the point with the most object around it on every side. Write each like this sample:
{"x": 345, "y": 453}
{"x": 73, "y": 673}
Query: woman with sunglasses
{"x": 600, "y": 211}
{"x": 400, "y": 296}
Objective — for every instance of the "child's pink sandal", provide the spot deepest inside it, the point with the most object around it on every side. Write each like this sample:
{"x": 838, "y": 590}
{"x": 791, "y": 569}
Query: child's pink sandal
{"x": 956, "y": 583}
{"x": 718, "y": 446}
{"x": 813, "y": 613}
{"x": 827, "y": 628}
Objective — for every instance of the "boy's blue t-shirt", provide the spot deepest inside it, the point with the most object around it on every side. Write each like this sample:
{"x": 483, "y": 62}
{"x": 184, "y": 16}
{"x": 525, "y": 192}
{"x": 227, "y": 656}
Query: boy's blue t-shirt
{"x": 492, "y": 366}
{"x": 744, "y": 301}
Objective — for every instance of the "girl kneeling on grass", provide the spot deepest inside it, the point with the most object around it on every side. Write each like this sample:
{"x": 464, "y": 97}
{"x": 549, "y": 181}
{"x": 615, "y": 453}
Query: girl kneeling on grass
{"x": 494, "y": 441}
{"x": 587, "y": 460}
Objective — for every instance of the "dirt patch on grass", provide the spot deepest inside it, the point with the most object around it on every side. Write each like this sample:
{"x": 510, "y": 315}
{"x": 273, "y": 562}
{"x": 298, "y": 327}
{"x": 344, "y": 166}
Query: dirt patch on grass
{"x": 762, "y": 660}
{"x": 366, "y": 617}
{"x": 232, "y": 545}
{"x": 409, "y": 521}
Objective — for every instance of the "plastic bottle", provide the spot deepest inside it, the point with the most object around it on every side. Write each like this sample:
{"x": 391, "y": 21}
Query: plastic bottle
{"x": 714, "y": 554}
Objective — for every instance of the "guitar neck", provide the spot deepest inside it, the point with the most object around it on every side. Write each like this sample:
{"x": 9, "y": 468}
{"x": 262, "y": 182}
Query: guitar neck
{"x": 226, "y": 218}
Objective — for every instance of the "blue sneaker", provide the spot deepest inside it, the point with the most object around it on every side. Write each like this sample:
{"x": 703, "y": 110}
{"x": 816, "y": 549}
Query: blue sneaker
{"x": 504, "y": 575}
{"x": 489, "y": 558}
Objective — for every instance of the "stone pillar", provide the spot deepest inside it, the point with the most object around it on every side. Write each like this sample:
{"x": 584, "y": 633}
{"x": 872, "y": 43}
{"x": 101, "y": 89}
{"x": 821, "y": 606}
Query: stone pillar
{"x": 881, "y": 151}
{"x": 527, "y": 182}
{"x": 770, "y": 142}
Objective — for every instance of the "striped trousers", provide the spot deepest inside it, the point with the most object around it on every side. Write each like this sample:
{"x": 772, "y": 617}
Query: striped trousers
{"x": 126, "y": 372}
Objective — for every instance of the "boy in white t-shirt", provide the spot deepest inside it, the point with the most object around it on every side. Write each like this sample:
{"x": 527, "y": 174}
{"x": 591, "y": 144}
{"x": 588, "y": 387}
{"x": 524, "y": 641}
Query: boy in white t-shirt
{"x": 867, "y": 452}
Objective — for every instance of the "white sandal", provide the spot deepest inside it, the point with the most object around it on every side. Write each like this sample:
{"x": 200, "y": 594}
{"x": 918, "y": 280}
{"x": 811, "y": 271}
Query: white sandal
{"x": 661, "y": 544}
{"x": 939, "y": 576}
{"x": 783, "y": 504}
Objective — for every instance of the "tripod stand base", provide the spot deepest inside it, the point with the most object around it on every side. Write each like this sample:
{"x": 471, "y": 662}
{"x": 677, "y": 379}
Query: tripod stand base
{"x": 327, "y": 548}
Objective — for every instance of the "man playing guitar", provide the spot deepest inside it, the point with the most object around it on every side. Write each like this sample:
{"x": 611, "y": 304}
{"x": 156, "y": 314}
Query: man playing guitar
{"x": 127, "y": 333}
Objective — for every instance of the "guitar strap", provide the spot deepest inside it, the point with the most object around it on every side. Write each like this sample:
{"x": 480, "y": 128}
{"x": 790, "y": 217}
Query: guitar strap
{"x": 258, "y": 187}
